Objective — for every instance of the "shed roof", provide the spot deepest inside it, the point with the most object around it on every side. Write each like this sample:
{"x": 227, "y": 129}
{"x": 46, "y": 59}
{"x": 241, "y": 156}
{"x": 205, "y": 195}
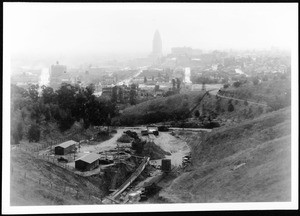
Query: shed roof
{"x": 89, "y": 158}
{"x": 66, "y": 144}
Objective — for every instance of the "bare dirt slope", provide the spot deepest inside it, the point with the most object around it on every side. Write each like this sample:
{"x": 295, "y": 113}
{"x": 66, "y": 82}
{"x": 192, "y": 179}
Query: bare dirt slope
{"x": 39, "y": 182}
{"x": 250, "y": 162}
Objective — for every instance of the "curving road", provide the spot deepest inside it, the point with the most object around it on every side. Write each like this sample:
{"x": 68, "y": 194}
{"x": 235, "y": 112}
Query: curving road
{"x": 250, "y": 102}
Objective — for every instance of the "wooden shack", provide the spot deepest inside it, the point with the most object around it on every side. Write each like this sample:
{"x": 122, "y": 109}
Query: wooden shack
{"x": 65, "y": 147}
{"x": 87, "y": 162}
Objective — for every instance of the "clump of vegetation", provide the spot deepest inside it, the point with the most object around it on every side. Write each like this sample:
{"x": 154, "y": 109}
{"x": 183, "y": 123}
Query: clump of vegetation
{"x": 64, "y": 107}
{"x": 34, "y": 133}
{"x": 124, "y": 139}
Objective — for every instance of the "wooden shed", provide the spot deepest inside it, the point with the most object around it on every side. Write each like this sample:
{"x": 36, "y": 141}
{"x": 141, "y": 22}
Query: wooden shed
{"x": 87, "y": 162}
{"x": 65, "y": 147}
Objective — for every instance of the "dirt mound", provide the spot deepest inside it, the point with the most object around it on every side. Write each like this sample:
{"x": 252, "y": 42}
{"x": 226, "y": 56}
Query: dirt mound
{"x": 245, "y": 163}
{"x": 154, "y": 151}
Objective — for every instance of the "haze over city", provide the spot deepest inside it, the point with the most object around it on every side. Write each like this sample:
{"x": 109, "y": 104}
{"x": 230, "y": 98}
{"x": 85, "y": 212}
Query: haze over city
{"x": 81, "y": 29}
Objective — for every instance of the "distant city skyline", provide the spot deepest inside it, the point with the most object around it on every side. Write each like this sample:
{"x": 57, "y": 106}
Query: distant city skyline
{"x": 78, "y": 28}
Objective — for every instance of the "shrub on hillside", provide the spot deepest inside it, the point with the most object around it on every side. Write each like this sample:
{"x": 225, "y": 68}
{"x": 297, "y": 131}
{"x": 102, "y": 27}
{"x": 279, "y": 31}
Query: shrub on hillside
{"x": 237, "y": 84}
{"x": 230, "y": 107}
{"x": 226, "y": 86}
{"x": 197, "y": 113}
{"x": 34, "y": 133}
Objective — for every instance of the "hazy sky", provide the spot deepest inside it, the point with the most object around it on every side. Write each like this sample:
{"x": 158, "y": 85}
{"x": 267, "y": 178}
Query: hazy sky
{"x": 129, "y": 28}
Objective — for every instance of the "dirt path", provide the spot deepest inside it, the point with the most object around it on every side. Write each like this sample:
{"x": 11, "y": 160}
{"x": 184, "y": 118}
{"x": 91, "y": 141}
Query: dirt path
{"x": 102, "y": 146}
{"x": 178, "y": 148}
{"x": 250, "y": 102}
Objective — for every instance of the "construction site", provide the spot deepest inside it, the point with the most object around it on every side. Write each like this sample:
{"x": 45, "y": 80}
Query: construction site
{"x": 129, "y": 166}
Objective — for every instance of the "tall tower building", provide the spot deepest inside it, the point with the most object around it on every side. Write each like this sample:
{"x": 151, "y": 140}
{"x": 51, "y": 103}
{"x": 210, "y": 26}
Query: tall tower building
{"x": 157, "y": 45}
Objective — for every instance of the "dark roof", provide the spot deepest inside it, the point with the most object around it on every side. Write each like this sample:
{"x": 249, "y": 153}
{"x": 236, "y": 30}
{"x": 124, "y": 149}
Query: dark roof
{"x": 66, "y": 144}
{"x": 89, "y": 158}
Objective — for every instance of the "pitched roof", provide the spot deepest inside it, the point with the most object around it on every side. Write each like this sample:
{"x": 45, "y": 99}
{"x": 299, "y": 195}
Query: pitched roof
{"x": 89, "y": 158}
{"x": 67, "y": 144}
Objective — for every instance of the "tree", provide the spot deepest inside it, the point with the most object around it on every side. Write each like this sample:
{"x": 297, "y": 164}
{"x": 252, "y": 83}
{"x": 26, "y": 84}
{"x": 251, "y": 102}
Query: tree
{"x": 65, "y": 119}
{"x": 121, "y": 95}
{"x": 34, "y": 133}
{"x": 173, "y": 83}
{"x": 145, "y": 79}
{"x": 197, "y": 113}
{"x": 16, "y": 127}
{"x": 114, "y": 96}
{"x": 48, "y": 95}
{"x": 66, "y": 96}
{"x": 138, "y": 145}
{"x": 178, "y": 82}
{"x": 33, "y": 92}
{"x": 132, "y": 95}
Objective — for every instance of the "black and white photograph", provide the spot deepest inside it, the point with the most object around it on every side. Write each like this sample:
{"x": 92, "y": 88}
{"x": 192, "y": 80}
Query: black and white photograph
{"x": 149, "y": 107}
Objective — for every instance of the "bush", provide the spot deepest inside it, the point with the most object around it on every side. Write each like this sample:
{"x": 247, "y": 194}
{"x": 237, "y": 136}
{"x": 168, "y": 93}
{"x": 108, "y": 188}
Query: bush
{"x": 226, "y": 86}
{"x": 124, "y": 139}
{"x": 211, "y": 125}
{"x": 131, "y": 134}
{"x": 236, "y": 84}
{"x": 197, "y": 113}
{"x": 34, "y": 133}
{"x": 138, "y": 145}
{"x": 230, "y": 108}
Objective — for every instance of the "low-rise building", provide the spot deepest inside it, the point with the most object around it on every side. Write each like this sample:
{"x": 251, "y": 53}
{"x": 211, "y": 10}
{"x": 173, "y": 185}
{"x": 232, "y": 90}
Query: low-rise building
{"x": 87, "y": 162}
{"x": 65, "y": 147}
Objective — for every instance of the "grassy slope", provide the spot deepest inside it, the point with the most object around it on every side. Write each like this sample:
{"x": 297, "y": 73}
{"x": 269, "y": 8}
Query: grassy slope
{"x": 264, "y": 92}
{"x": 168, "y": 104}
{"x": 28, "y": 191}
{"x": 263, "y": 144}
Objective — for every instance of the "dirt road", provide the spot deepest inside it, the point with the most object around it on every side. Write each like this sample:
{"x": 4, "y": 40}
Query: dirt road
{"x": 178, "y": 148}
{"x": 102, "y": 146}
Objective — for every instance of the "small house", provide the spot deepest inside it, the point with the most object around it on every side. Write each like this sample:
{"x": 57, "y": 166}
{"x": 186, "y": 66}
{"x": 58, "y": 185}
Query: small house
{"x": 65, "y": 147}
{"x": 87, "y": 162}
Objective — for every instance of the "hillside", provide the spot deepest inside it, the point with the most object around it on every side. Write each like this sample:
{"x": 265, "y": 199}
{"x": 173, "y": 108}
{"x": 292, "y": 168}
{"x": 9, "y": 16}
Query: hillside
{"x": 249, "y": 162}
{"x": 232, "y": 105}
{"x": 39, "y": 182}
{"x": 158, "y": 110}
